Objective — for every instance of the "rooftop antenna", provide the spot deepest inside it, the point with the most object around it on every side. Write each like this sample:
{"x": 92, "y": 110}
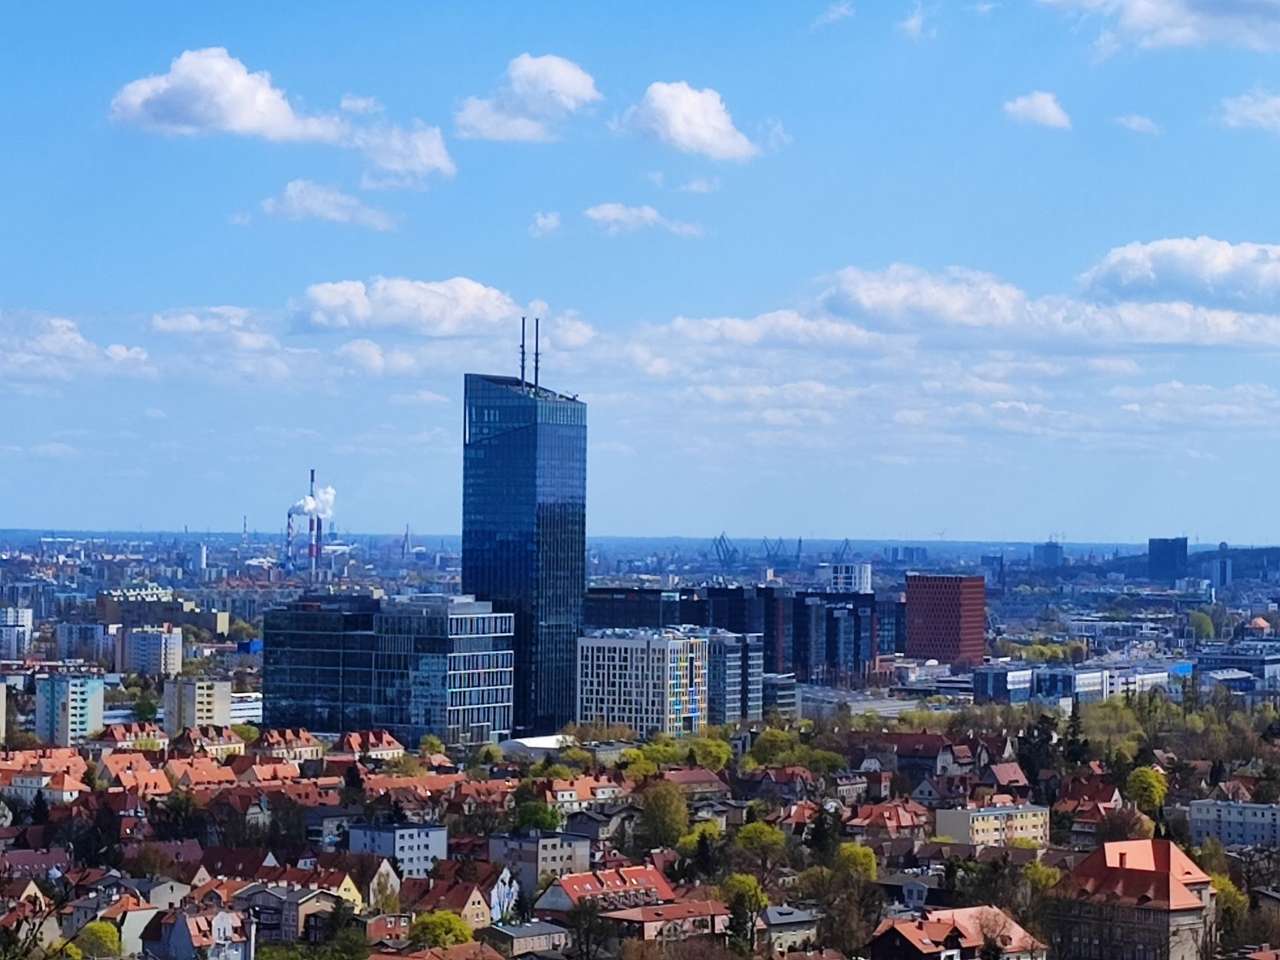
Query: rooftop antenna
{"x": 536, "y": 352}
{"x": 522, "y": 325}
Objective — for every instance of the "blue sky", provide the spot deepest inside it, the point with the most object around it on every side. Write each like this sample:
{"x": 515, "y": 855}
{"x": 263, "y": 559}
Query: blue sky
{"x": 875, "y": 269}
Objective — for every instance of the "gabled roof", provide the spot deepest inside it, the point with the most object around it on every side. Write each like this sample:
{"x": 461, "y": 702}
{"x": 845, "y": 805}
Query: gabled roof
{"x": 1153, "y": 874}
{"x": 599, "y": 883}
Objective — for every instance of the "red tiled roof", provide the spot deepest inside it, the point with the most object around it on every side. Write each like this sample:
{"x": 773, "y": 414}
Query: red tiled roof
{"x": 1154, "y": 874}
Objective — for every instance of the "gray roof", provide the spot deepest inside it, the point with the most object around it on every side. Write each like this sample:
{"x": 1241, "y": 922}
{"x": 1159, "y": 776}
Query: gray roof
{"x": 534, "y": 928}
{"x": 783, "y": 915}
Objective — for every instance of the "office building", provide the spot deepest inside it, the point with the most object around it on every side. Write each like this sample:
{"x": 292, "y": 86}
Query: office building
{"x": 735, "y": 675}
{"x": 630, "y": 608}
{"x": 524, "y": 532}
{"x": 1003, "y": 683}
{"x": 995, "y": 826}
{"x": 416, "y": 847}
{"x": 17, "y": 624}
{"x": 1046, "y": 556}
{"x": 651, "y": 681}
{"x": 154, "y": 651}
{"x": 191, "y": 702}
{"x": 1166, "y": 559}
{"x": 848, "y": 577}
{"x": 781, "y": 696}
{"x": 891, "y": 625}
{"x": 1262, "y": 660}
{"x": 993, "y": 570}
{"x": 851, "y": 641}
{"x": 946, "y": 618}
{"x": 68, "y": 708}
{"x": 422, "y": 664}
{"x": 448, "y": 661}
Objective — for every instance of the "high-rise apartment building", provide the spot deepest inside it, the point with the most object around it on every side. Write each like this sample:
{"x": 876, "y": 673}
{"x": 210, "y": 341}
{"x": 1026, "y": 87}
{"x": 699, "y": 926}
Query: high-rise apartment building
{"x": 192, "y": 702}
{"x": 524, "y": 532}
{"x": 946, "y": 618}
{"x": 1166, "y": 558}
{"x": 16, "y": 627}
{"x": 848, "y": 577}
{"x": 735, "y": 676}
{"x": 653, "y": 681}
{"x": 154, "y": 651}
{"x": 86, "y": 641}
{"x": 1047, "y": 555}
{"x": 423, "y": 664}
{"x": 68, "y": 708}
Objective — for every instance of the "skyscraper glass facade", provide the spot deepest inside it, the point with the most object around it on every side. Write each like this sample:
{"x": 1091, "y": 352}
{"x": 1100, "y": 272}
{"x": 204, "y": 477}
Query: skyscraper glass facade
{"x": 524, "y": 532}
{"x": 424, "y": 664}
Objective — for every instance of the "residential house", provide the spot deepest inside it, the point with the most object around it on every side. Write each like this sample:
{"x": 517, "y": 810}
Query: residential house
{"x": 788, "y": 928}
{"x": 960, "y": 934}
{"x": 211, "y": 740}
{"x": 534, "y": 854}
{"x": 294, "y": 746}
{"x": 370, "y": 745}
{"x": 523, "y": 939}
{"x": 669, "y": 922}
{"x": 613, "y": 889}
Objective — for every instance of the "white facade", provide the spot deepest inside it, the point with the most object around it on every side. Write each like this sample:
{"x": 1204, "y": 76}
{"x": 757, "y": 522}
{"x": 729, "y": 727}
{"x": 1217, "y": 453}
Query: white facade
{"x": 416, "y": 846}
{"x": 246, "y": 708}
{"x": 850, "y": 577}
{"x": 16, "y": 627}
{"x": 155, "y": 651}
{"x": 68, "y": 708}
{"x": 653, "y": 681}
{"x": 194, "y": 703}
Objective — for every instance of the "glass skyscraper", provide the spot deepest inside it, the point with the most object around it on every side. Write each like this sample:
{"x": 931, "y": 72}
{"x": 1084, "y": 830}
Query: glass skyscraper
{"x": 524, "y": 532}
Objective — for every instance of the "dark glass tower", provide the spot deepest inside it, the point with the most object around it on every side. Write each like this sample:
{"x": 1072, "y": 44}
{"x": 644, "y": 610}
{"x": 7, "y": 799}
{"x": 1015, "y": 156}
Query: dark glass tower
{"x": 524, "y": 532}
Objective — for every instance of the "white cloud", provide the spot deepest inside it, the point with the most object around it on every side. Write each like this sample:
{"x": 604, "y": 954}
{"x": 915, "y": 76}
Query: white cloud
{"x": 616, "y": 218}
{"x": 834, "y": 13}
{"x": 571, "y": 332}
{"x": 1259, "y": 109}
{"x": 39, "y": 348}
{"x": 701, "y": 185}
{"x": 787, "y": 327}
{"x": 444, "y": 308}
{"x": 1253, "y": 24}
{"x": 209, "y": 91}
{"x": 306, "y": 200}
{"x": 351, "y": 103}
{"x": 1137, "y": 123}
{"x": 1039, "y": 107}
{"x": 1241, "y": 405}
{"x": 913, "y": 24}
{"x": 403, "y": 156}
{"x": 366, "y": 356}
{"x": 536, "y": 93}
{"x": 691, "y": 120}
{"x": 1200, "y": 268}
{"x": 1114, "y": 366}
{"x": 544, "y": 223}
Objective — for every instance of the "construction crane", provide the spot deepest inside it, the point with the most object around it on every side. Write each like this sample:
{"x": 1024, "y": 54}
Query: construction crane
{"x": 726, "y": 552}
{"x": 799, "y": 549}
{"x": 772, "y": 549}
{"x": 843, "y": 552}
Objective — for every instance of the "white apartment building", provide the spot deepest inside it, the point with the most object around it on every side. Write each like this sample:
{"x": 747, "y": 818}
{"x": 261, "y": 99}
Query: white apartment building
{"x": 995, "y": 826}
{"x": 417, "y": 846}
{"x": 190, "y": 702}
{"x": 17, "y": 624}
{"x": 155, "y": 651}
{"x": 246, "y": 708}
{"x": 653, "y": 681}
{"x": 68, "y": 708}
{"x": 849, "y": 577}
{"x": 1228, "y": 822}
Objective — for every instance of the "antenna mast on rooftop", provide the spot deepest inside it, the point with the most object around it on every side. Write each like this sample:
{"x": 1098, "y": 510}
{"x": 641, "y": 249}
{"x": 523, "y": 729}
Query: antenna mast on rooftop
{"x": 537, "y": 353}
{"x": 522, "y": 325}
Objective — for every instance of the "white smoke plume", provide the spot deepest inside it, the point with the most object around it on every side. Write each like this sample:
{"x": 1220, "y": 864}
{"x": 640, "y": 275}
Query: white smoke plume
{"x": 321, "y": 505}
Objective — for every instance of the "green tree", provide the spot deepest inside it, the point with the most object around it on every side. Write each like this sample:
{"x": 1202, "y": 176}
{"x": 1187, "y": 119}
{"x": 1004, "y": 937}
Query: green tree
{"x": 853, "y": 860}
{"x": 824, "y": 837}
{"x": 745, "y": 898}
{"x": 710, "y": 753}
{"x": 438, "y": 928}
{"x": 40, "y": 809}
{"x": 430, "y": 743}
{"x": 770, "y": 745}
{"x": 636, "y": 765}
{"x": 1232, "y": 907}
{"x": 536, "y": 815}
{"x": 665, "y": 818}
{"x": 144, "y": 708}
{"x": 98, "y": 939}
{"x": 588, "y": 929}
{"x": 246, "y": 732}
{"x": 1147, "y": 788}
{"x": 763, "y": 841}
{"x": 1201, "y": 625}
{"x": 687, "y": 846}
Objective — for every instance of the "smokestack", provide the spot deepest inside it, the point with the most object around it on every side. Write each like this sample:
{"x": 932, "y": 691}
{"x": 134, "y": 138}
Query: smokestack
{"x": 312, "y": 527}
{"x": 522, "y": 325}
{"x": 537, "y": 354}
{"x": 288, "y": 542}
{"x": 315, "y": 563}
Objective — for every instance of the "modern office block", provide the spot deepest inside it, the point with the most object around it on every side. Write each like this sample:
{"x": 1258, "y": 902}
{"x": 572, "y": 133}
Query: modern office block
{"x": 524, "y": 532}
{"x": 651, "y": 681}
{"x": 1166, "y": 558}
{"x": 735, "y": 677}
{"x": 946, "y": 618}
{"x": 781, "y": 696}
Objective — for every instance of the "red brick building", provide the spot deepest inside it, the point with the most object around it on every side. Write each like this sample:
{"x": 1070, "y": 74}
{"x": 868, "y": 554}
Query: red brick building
{"x": 946, "y": 618}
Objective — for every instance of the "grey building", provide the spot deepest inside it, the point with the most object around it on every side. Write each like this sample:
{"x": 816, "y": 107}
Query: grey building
{"x": 537, "y": 853}
{"x": 524, "y": 486}
{"x": 781, "y": 696}
{"x": 735, "y": 677}
{"x": 416, "y": 846}
{"x": 423, "y": 664}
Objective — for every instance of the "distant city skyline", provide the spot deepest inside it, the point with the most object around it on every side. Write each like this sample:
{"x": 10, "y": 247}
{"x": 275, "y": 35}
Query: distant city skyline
{"x": 973, "y": 271}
